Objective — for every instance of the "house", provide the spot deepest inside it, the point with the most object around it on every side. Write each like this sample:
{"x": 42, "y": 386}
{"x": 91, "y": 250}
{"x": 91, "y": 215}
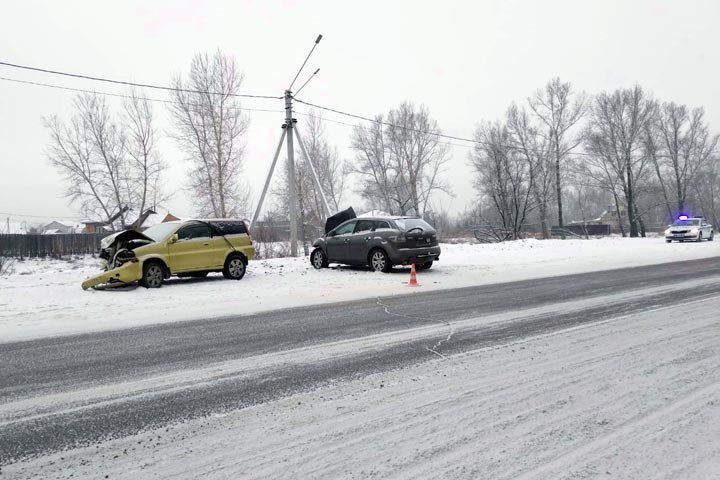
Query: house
{"x": 92, "y": 226}
{"x": 150, "y": 218}
{"x": 62, "y": 226}
{"x": 171, "y": 218}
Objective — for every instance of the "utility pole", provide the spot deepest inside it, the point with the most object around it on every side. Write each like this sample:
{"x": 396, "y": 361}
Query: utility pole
{"x": 290, "y": 129}
{"x": 291, "y": 173}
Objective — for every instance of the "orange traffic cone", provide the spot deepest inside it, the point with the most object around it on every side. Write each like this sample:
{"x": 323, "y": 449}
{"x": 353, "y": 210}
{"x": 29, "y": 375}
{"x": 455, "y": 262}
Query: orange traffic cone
{"x": 413, "y": 277}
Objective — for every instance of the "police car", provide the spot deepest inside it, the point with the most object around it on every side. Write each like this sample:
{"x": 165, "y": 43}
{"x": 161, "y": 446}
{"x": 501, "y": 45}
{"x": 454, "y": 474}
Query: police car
{"x": 688, "y": 228}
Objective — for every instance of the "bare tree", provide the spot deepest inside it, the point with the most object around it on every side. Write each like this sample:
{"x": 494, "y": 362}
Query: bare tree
{"x": 109, "y": 146}
{"x": 209, "y": 128}
{"x": 559, "y": 109}
{"x": 417, "y": 153}
{"x": 614, "y": 140}
{"x": 440, "y": 218}
{"x": 145, "y": 165}
{"x": 401, "y": 162}
{"x": 503, "y": 176}
{"x": 101, "y": 157}
{"x": 71, "y": 152}
{"x": 684, "y": 148}
{"x": 709, "y": 190}
{"x": 373, "y": 165}
{"x": 535, "y": 149}
{"x": 332, "y": 171}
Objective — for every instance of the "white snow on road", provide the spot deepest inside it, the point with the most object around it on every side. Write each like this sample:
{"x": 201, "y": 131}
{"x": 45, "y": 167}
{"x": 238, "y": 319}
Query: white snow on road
{"x": 629, "y": 397}
{"x": 43, "y": 297}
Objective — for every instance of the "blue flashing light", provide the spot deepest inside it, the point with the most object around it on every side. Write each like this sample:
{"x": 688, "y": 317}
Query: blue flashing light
{"x": 683, "y": 217}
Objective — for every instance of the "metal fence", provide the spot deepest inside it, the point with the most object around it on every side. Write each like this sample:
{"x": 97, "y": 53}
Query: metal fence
{"x": 36, "y": 245}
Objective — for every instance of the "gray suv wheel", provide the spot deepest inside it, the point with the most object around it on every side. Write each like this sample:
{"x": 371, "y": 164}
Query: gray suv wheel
{"x": 379, "y": 261}
{"x": 318, "y": 259}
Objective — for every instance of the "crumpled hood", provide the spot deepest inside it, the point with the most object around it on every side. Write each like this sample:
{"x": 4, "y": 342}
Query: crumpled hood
{"x": 124, "y": 236}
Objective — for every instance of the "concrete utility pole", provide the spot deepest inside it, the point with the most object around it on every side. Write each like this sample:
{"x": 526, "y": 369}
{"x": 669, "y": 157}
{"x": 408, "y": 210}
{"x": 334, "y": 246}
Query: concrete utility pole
{"x": 291, "y": 173}
{"x": 289, "y": 129}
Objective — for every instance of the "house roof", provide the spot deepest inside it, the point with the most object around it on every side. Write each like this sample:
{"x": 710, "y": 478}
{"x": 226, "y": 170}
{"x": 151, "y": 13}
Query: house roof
{"x": 68, "y": 223}
{"x": 152, "y": 219}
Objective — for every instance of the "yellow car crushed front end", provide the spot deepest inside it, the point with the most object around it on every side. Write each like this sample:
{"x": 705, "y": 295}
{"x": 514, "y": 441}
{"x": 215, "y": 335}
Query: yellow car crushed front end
{"x": 126, "y": 273}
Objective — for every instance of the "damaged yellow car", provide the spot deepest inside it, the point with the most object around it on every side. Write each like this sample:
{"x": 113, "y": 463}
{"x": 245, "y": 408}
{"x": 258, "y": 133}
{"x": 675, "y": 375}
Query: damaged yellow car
{"x": 185, "y": 249}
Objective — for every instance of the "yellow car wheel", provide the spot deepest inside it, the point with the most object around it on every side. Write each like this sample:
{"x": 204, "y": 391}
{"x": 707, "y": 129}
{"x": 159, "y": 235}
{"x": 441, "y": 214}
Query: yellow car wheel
{"x": 235, "y": 267}
{"x": 153, "y": 275}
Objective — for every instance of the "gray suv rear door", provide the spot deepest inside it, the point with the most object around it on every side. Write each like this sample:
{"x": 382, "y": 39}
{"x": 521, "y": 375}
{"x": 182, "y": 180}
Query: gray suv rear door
{"x": 359, "y": 241}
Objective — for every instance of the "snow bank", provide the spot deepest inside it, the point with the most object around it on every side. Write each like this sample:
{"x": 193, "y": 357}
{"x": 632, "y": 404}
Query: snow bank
{"x": 43, "y": 297}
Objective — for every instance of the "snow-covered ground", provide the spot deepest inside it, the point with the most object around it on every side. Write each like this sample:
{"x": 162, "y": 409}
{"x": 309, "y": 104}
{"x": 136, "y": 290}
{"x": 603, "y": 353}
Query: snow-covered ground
{"x": 43, "y": 297}
{"x": 628, "y": 398}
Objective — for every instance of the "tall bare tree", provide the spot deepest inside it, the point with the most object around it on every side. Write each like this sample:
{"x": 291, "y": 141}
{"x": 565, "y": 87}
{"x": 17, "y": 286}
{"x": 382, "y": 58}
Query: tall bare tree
{"x": 71, "y": 151}
{"x": 536, "y": 150}
{"x": 709, "y": 190}
{"x": 559, "y": 108}
{"x": 109, "y": 162}
{"x": 503, "y": 176}
{"x": 109, "y": 145}
{"x": 684, "y": 148}
{"x": 332, "y": 170}
{"x": 210, "y": 126}
{"x": 145, "y": 165}
{"x": 401, "y": 162}
{"x": 614, "y": 140}
{"x": 374, "y": 166}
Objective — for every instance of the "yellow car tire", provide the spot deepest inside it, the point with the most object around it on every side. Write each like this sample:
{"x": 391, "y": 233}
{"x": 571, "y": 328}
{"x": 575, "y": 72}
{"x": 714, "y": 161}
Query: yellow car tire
{"x": 153, "y": 275}
{"x": 235, "y": 267}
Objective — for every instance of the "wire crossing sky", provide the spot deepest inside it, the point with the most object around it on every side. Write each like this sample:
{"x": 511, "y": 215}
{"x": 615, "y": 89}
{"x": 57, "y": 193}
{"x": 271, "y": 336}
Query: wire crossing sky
{"x": 466, "y": 61}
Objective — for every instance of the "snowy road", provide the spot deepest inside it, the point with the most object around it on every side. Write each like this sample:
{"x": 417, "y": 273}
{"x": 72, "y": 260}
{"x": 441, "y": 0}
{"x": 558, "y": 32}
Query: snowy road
{"x": 572, "y": 376}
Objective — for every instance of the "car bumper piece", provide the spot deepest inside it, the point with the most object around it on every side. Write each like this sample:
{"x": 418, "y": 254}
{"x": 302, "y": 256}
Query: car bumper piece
{"x": 127, "y": 273}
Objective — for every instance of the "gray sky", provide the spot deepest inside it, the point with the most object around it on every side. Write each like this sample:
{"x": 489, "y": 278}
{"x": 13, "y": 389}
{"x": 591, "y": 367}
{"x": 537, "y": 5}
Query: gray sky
{"x": 465, "y": 60}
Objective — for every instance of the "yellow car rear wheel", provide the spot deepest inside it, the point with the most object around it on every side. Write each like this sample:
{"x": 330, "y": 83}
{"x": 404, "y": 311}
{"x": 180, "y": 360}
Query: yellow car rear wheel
{"x": 235, "y": 267}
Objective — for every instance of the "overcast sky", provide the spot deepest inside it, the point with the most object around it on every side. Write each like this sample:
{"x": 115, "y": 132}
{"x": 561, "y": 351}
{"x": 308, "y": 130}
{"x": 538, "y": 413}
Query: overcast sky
{"x": 465, "y": 60}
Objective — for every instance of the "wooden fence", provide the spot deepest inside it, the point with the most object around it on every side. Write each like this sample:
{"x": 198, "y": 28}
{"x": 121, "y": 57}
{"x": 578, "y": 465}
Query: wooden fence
{"x": 36, "y": 245}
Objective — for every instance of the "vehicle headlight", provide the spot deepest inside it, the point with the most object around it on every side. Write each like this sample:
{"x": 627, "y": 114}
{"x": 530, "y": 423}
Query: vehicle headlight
{"x": 694, "y": 231}
{"x": 667, "y": 232}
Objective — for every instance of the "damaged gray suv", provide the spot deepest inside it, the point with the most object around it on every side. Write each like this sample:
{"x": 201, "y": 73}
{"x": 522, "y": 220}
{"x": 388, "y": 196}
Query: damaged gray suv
{"x": 378, "y": 242}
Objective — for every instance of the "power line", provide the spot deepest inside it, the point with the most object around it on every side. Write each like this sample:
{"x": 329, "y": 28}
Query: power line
{"x": 22, "y": 215}
{"x": 374, "y": 120}
{"x": 170, "y": 102}
{"x": 353, "y": 125}
{"x": 119, "y": 95}
{"x": 437, "y": 134}
{"x": 134, "y": 84}
{"x": 172, "y": 89}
